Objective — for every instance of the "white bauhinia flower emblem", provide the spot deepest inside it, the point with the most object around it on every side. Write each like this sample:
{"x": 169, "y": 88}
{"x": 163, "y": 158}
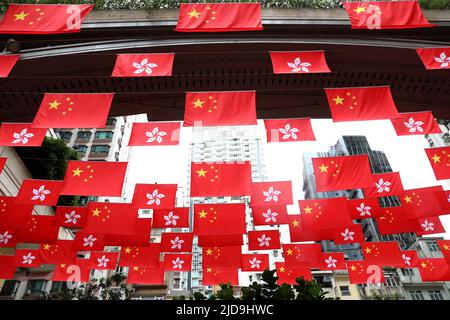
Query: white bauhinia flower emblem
{"x": 270, "y": 216}
{"x": 28, "y": 259}
{"x": 103, "y": 261}
{"x": 89, "y": 241}
{"x": 154, "y": 197}
{"x": 364, "y": 210}
{"x": 289, "y": 132}
{"x": 144, "y": 66}
{"x": 406, "y": 259}
{"x": 271, "y": 194}
{"x": 427, "y": 226}
{"x": 255, "y": 263}
{"x": 171, "y": 219}
{"x": 331, "y": 262}
{"x": 443, "y": 60}
{"x": 22, "y": 137}
{"x": 347, "y": 235}
{"x": 72, "y": 217}
{"x": 413, "y": 125}
{"x": 40, "y": 194}
{"x": 4, "y": 238}
{"x": 383, "y": 186}
{"x": 177, "y": 243}
{"x": 299, "y": 66}
{"x": 177, "y": 263}
{"x": 155, "y": 135}
{"x": 264, "y": 241}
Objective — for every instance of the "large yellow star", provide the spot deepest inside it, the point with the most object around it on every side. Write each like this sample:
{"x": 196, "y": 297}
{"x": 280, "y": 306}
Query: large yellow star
{"x": 21, "y": 16}
{"x": 360, "y": 9}
{"x": 46, "y": 246}
{"x": 54, "y": 105}
{"x": 323, "y": 168}
{"x": 446, "y": 247}
{"x": 135, "y": 268}
{"x": 295, "y": 223}
{"x": 407, "y": 199}
{"x": 77, "y": 172}
{"x": 308, "y": 210}
{"x": 423, "y": 264}
{"x": 96, "y": 212}
{"x": 194, "y": 14}
{"x": 198, "y": 103}
{"x": 202, "y": 173}
{"x": 62, "y": 266}
{"x": 281, "y": 269}
{"x": 368, "y": 250}
{"x": 353, "y": 268}
{"x": 209, "y": 252}
{"x": 436, "y": 158}
{"x": 289, "y": 252}
{"x": 127, "y": 250}
{"x": 338, "y": 100}
{"x": 203, "y": 214}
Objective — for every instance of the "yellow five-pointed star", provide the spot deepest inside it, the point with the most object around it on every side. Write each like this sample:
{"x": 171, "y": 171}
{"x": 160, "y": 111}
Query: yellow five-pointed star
{"x": 446, "y": 247}
{"x": 198, "y": 103}
{"x": 295, "y": 223}
{"x": 21, "y": 16}
{"x": 289, "y": 252}
{"x": 423, "y": 264}
{"x": 46, "y": 246}
{"x": 360, "y": 9}
{"x": 194, "y": 14}
{"x": 368, "y": 250}
{"x": 281, "y": 269}
{"x": 96, "y": 212}
{"x": 203, "y": 214}
{"x": 202, "y": 173}
{"x": 209, "y": 252}
{"x": 127, "y": 250}
{"x": 77, "y": 172}
{"x": 323, "y": 168}
{"x": 208, "y": 269}
{"x": 308, "y": 209}
{"x": 135, "y": 268}
{"x": 54, "y": 105}
{"x": 338, "y": 100}
{"x": 353, "y": 268}
{"x": 436, "y": 158}
{"x": 407, "y": 199}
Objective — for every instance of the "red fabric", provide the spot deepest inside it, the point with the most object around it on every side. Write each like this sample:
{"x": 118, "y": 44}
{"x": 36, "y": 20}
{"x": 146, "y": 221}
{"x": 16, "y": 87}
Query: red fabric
{"x": 39, "y": 192}
{"x": 273, "y": 215}
{"x": 430, "y": 225}
{"x": 219, "y": 17}
{"x": 288, "y": 274}
{"x": 39, "y": 229}
{"x": 440, "y": 162}
{"x": 359, "y": 104}
{"x": 289, "y": 130}
{"x": 271, "y": 193}
{"x": 382, "y": 253}
{"x": 410, "y": 259}
{"x": 73, "y": 110}
{"x": 141, "y": 236}
{"x": 444, "y": 245}
{"x": 386, "y": 15}
{"x": 425, "y": 202}
{"x": 393, "y": 220}
{"x": 76, "y": 272}
{"x": 177, "y": 262}
{"x": 176, "y": 242}
{"x": 223, "y": 108}
{"x": 7, "y": 267}
{"x": 292, "y": 62}
{"x": 171, "y": 218}
{"x": 146, "y": 275}
{"x": 13, "y": 214}
{"x": 220, "y": 179}
{"x": 2, "y": 162}
{"x": 155, "y": 134}
{"x": 92, "y": 178}
{"x": 229, "y": 256}
{"x": 298, "y": 254}
{"x": 21, "y": 135}
{"x": 154, "y": 196}
{"x": 86, "y": 241}
{"x": 363, "y": 208}
{"x": 220, "y": 240}
{"x": 415, "y": 123}
{"x": 102, "y": 260}
{"x": 7, "y": 63}
{"x": 350, "y": 234}
{"x": 143, "y": 65}
{"x": 220, "y": 275}
{"x": 8, "y": 238}
{"x": 140, "y": 256}
{"x": 219, "y": 219}
{"x": 71, "y": 217}
{"x": 27, "y": 258}
{"x": 264, "y": 240}
{"x": 435, "y": 58}
{"x": 255, "y": 262}
{"x": 298, "y": 233}
{"x": 362, "y": 272}
{"x": 385, "y": 184}
{"x": 325, "y": 213}
{"x": 342, "y": 173}
{"x": 44, "y": 18}
{"x": 434, "y": 269}
{"x": 60, "y": 252}
{"x": 333, "y": 261}
{"x": 111, "y": 218}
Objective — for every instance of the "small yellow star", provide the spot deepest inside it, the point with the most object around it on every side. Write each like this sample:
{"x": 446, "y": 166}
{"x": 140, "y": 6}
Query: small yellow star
{"x": 96, "y": 212}
{"x": 54, "y": 105}
{"x": 308, "y": 210}
{"x": 360, "y": 9}
{"x": 407, "y": 199}
{"x": 202, "y": 173}
{"x": 208, "y": 269}
{"x": 194, "y": 14}
{"x": 436, "y": 158}
{"x": 446, "y": 247}
{"x": 21, "y": 16}
{"x": 198, "y": 104}
{"x": 77, "y": 172}
{"x": 323, "y": 168}
{"x": 203, "y": 214}
{"x": 338, "y": 100}
{"x": 135, "y": 268}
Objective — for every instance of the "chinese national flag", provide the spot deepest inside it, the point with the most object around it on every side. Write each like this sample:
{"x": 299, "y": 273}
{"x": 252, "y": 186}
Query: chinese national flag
{"x": 310, "y": 253}
{"x": 220, "y": 179}
{"x": 219, "y": 219}
{"x": 146, "y": 275}
{"x": 102, "y": 260}
{"x": 386, "y": 15}
{"x": 154, "y": 196}
{"x": 434, "y": 269}
{"x": 271, "y": 193}
{"x": 71, "y": 217}
{"x": 177, "y": 261}
{"x": 14, "y": 215}
{"x": 382, "y": 253}
{"x": 39, "y": 192}
{"x": 229, "y": 256}
{"x": 362, "y": 272}
{"x": 176, "y": 242}
{"x": 288, "y": 274}
{"x": 273, "y": 215}
{"x": 384, "y": 185}
{"x": 394, "y": 220}
{"x": 21, "y": 135}
{"x": 444, "y": 245}
{"x": 86, "y": 241}
{"x": 223, "y": 108}
{"x": 325, "y": 213}
{"x": 363, "y": 208}
{"x": 73, "y": 110}
{"x": 298, "y": 234}
{"x": 141, "y": 236}
{"x": 213, "y": 276}
{"x": 8, "y": 238}
{"x": 430, "y": 225}
{"x": 92, "y": 178}
{"x": 140, "y": 256}
{"x": 289, "y": 130}
{"x": 333, "y": 261}
{"x": 350, "y": 234}
{"x": 410, "y": 259}
{"x": 171, "y": 218}
{"x": 39, "y": 229}
{"x": 363, "y": 103}
{"x": 27, "y": 258}
{"x": 7, "y": 62}
{"x": 111, "y": 218}
{"x": 220, "y": 240}
{"x": 264, "y": 240}
{"x": 342, "y": 173}
{"x": 293, "y": 62}
{"x": 219, "y": 17}
{"x": 425, "y": 202}
{"x": 44, "y": 18}
{"x": 415, "y": 124}
{"x": 143, "y": 65}
{"x": 77, "y": 272}
{"x": 155, "y": 134}
{"x": 435, "y": 58}
{"x": 60, "y": 252}
{"x": 7, "y": 267}
{"x": 255, "y": 262}
{"x": 440, "y": 162}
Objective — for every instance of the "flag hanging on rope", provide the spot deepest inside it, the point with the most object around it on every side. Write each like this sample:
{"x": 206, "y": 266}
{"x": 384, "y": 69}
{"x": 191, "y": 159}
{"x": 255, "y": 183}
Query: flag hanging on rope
{"x": 435, "y": 58}
{"x": 7, "y": 62}
{"x": 143, "y": 65}
{"x": 21, "y": 135}
{"x": 415, "y": 123}
{"x": 292, "y": 62}
{"x": 155, "y": 134}
{"x": 289, "y": 130}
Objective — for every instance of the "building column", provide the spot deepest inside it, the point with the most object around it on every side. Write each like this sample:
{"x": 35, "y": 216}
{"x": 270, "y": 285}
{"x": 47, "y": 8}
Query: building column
{"x": 21, "y": 290}
{"x": 48, "y": 286}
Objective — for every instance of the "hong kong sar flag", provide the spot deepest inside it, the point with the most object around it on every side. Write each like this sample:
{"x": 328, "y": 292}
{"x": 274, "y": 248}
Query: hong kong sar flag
{"x": 255, "y": 262}
{"x": 103, "y": 260}
{"x": 21, "y": 135}
{"x": 71, "y": 217}
{"x": 292, "y": 62}
{"x": 363, "y": 208}
{"x": 384, "y": 185}
{"x": 435, "y": 58}
{"x": 289, "y": 130}
{"x": 440, "y": 162}
{"x": 415, "y": 123}
{"x": 154, "y": 196}
{"x": 7, "y": 62}
{"x": 264, "y": 240}
{"x": 171, "y": 218}
{"x": 39, "y": 192}
{"x": 273, "y": 215}
{"x": 155, "y": 134}
{"x": 176, "y": 242}
{"x": 271, "y": 193}
{"x": 333, "y": 261}
{"x": 219, "y": 219}
{"x": 143, "y": 65}
{"x": 177, "y": 262}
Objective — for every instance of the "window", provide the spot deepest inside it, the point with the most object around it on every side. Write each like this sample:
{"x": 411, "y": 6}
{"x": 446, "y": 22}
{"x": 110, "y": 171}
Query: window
{"x": 432, "y": 246}
{"x": 111, "y": 122}
{"x": 100, "y": 149}
{"x": 416, "y": 295}
{"x": 9, "y": 288}
{"x": 82, "y": 149}
{"x": 407, "y": 272}
{"x": 104, "y": 135}
{"x": 35, "y": 286}
{"x": 84, "y": 135}
{"x": 345, "y": 291}
{"x": 66, "y": 135}
{"x": 436, "y": 295}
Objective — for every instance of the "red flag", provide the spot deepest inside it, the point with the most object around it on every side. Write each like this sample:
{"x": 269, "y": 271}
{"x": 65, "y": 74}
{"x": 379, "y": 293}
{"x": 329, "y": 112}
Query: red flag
{"x": 2, "y": 163}
{"x": 425, "y": 202}
{"x": 223, "y": 108}
{"x": 440, "y": 162}
{"x": 220, "y": 240}
{"x": 171, "y": 218}
{"x": 176, "y": 242}
{"x": 14, "y": 215}
{"x": 21, "y": 135}
{"x": 154, "y": 196}
{"x": 434, "y": 269}
{"x": 77, "y": 272}
{"x": 44, "y": 18}
{"x": 111, "y": 218}
{"x": 39, "y": 229}
{"x": 219, "y": 17}
{"x": 86, "y": 241}
{"x": 271, "y": 193}
{"x": 410, "y": 259}
{"x": 229, "y": 256}
{"x": 255, "y": 262}
{"x": 350, "y": 234}
{"x": 219, "y": 219}
{"x": 177, "y": 261}
{"x": 8, "y": 237}
{"x": 382, "y": 253}
{"x": 288, "y": 274}
{"x": 73, "y": 110}
{"x": 263, "y": 240}
{"x": 7, "y": 267}
{"x": 298, "y": 254}
{"x": 60, "y": 252}
{"x": 415, "y": 123}
{"x": 363, "y": 103}
{"x": 299, "y": 62}
{"x": 394, "y": 220}
{"x": 220, "y": 179}
{"x": 362, "y": 272}
{"x": 385, "y": 184}
{"x": 103, "y": 260}
{"x": 143, "y": 65}
{"x": 444, "y": 245}
{"x": 141, "y": 236}
{"x": 155, "y": 134}
{"x": 7, "y": 62}
{"x": 333, "y": 261}
{"x": 27, "y": 258}
{"x": 273, "y": 215}
{"x": 363, "y": 208}
{"x": 435, "y": 58}
{"x": 298, "y": 233}
{"x": 71, "y": 217}
{"x": 93, "y": 178}
{"x": 289, "y": 130}
{"x": 39, "y": 192}
{"x": 386, "y": 15}
{"x": 342, "y": 173}
{"x": 325, "y": 213}
{"x": 430, "y": 225}
{"x": 146, "y": 275}
{"x": 220, "y": 275}
{"x": 140, "y": 256}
